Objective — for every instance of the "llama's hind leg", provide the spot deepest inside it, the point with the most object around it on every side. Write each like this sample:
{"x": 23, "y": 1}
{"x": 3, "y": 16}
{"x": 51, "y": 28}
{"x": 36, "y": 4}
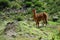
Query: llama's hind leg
{"x": 44, "y": 23}
{"x": 46, "y": 20}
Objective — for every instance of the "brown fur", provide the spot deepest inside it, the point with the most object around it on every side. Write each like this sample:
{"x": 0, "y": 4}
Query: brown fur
{"x": 39, "y": 17}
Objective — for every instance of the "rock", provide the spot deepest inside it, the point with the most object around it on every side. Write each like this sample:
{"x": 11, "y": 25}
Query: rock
{"x": 10, "y": 29}
{"x": 55, "y": 18}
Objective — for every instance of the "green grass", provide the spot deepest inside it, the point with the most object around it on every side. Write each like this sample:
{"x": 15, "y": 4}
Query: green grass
{"x": 27, "y": 31}
{"x": 52, "y": 23}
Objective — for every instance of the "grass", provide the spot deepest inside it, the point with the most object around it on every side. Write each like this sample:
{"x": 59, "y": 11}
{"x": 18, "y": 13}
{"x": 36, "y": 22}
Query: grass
{"x": 27, "y": 30}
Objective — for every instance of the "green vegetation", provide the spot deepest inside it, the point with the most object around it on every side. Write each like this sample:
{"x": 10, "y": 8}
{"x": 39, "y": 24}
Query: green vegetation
{"x": 26, "y": 28}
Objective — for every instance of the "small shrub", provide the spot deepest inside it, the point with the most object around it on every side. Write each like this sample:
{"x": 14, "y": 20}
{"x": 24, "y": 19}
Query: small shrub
{"x": 14, "y": 5}
{"x": 28, "y": 4}
{"x": 4, "y": 4}
{"x": 38, "y": 4}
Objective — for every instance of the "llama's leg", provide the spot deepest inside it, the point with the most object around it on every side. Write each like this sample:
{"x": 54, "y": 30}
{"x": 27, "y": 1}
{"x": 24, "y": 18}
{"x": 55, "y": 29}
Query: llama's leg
{"x": 43, "y": 22}
{"x": 37, "y": 24}
{"x": 46, "y": 21}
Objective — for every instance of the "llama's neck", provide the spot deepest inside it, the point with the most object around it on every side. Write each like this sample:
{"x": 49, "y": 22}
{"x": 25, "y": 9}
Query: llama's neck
{"x": 34, "y": 13}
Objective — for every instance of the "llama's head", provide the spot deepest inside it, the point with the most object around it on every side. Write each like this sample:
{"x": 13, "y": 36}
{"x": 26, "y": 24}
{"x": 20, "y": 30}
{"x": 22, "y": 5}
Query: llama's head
{"x": 34, "y": 10}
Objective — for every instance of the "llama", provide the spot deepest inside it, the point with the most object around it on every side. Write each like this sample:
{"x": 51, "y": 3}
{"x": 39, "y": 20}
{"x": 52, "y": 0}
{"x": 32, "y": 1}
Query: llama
{"x": 39, "y": 17}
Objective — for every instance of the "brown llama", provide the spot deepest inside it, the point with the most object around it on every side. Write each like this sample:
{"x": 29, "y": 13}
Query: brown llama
{"x": 39, "y": 17}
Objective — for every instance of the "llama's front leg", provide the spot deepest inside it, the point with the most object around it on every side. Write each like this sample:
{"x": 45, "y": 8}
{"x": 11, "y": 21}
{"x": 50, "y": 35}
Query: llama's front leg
{"x": 37, "y": 24}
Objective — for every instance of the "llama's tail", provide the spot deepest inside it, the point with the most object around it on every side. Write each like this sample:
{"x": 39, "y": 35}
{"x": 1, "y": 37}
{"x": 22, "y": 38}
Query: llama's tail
{"x": 45, "y": 17}
{"x": 45, "y": 14}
